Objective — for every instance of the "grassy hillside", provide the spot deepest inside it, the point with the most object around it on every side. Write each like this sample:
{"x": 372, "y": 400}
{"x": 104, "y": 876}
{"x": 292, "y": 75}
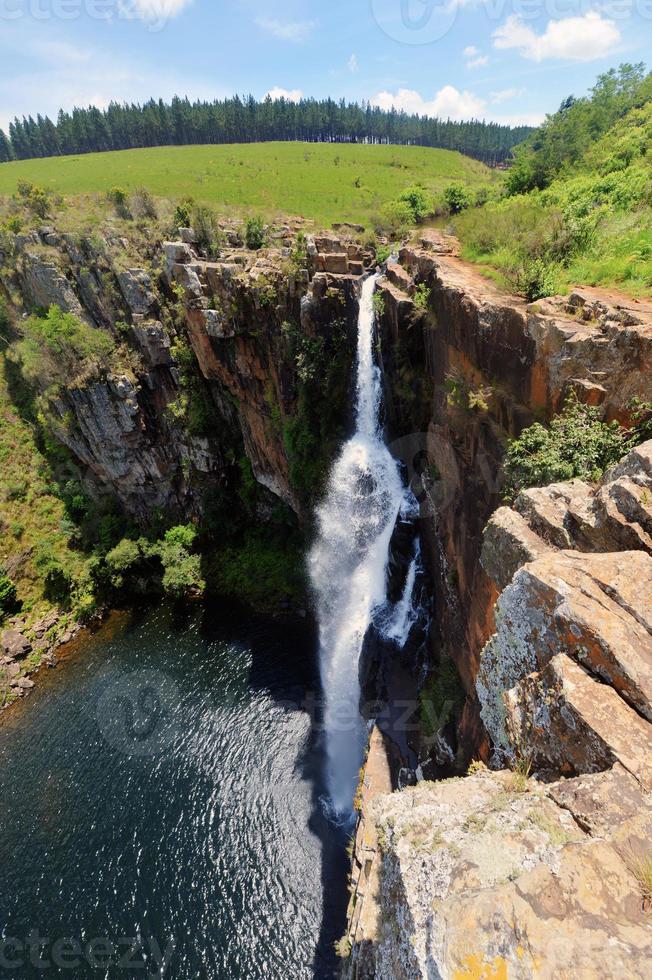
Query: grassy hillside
{"x": 578, "y": 208}
{"x": 322, "y": 182}
{"x": 34, "y": 529}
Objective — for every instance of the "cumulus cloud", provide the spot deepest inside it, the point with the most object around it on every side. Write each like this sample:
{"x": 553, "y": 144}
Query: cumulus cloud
{"x": 291, "y": 30}
{"x": 571, "y": 38}
{"x": 479, "y": 62}
{"x": 471, "y": 51}
{"x": 448, "y": 103}
{"x": 290, "y": 95}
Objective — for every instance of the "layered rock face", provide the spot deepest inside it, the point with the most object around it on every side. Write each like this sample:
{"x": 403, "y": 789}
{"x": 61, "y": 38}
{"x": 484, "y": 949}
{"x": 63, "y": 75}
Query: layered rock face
{"x": 543, "y": 871}
{"x": 468, "y": 367}
{"x": 128, "y": 429}
{"x": 567, "y": 676}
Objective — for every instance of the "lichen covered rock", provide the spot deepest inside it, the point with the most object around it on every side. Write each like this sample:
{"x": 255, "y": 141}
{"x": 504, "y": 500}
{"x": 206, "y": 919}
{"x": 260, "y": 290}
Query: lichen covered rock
{"x": 495, "y": 876}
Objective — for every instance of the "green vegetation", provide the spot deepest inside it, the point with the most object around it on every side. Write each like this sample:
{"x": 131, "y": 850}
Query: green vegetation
{"x": 313, "y": 434}
{"x": 170, "y": 561}
{"x": 441, "y": 699}
{"x": 205, "y": 223}
{"x": 58, "y": 347}
{"x": 8, "y": 595}
{"x": 579, "y": 197}
{"x": 266, "y": 178}
{"x": 422, "y": 297}
{"x": 266, "y": 570}
{"x": 36, "y": 530}
{"x": 577, "y": 444}
{"x": 254, "y": 233}
{"x": 456, "y": 198}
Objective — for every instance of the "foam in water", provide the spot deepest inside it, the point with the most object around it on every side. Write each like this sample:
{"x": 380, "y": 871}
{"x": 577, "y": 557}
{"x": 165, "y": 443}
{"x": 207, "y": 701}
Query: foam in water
{"x": 348, "y": 564}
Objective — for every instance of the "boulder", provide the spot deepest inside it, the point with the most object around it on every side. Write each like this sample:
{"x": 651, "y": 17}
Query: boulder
{"x": 14, "y": 644}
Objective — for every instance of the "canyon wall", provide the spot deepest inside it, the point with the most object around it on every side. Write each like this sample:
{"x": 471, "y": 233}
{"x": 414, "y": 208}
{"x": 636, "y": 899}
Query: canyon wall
{"x": 209, "y": 362}
{"x": 545, "y": 608}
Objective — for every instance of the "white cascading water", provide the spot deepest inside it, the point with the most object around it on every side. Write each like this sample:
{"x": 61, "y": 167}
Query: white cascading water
{"x": 348, "y": 564}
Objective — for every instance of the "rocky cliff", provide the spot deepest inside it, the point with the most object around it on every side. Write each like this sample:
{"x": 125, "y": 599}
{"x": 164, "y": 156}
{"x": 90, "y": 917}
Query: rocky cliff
{"x": 222, "y": 401}
{"x": 545, "y": 609}
{"x": 157, "y": 430}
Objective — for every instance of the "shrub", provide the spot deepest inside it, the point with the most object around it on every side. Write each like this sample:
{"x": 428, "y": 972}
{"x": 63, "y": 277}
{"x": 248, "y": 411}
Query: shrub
{"x": 183, "y": 213}
{"x": 456, "y": 198}
{"x": 56, "y": 348}
{"x": 182, "y": 575}
{"x": 207, "y": 229}
{"x": 122, "y": 560}
{"x": 419, "y": 202}
{"x": 441, "y": 699}
{"x": 38, "y": 202}
{"x": 422, "y": 297}
{"x": 57, "y": 584}
{"x": 378, "y": 302}
{"x": 34, "y": 197}
{"x": 534, "y": 279}
{"x": 396, "y": 219}
{"x": 577, "y": 444}
{"x": 383, "y": 252}
{"x": 254, "y": 233}
{"x": 7, "y": 595}
{"x": 142, "y": 204}
{"x": 118, "y": 198}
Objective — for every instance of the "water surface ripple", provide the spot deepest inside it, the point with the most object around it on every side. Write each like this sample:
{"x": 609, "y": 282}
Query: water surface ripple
{"x": 167, "y": 785}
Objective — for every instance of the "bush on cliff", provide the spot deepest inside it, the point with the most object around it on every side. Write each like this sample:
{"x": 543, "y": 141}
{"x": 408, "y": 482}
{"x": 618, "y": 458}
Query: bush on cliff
{"x": 136, "y": 565}
{"x": 59, "y": 347}
{"x": 578, "y": 444}
{"x": 7, "y": 595}
{"x": 254, "y": 233}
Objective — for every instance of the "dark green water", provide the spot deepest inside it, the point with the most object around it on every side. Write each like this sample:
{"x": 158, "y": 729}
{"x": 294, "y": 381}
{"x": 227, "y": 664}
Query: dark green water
{"x": 164, "y": 787}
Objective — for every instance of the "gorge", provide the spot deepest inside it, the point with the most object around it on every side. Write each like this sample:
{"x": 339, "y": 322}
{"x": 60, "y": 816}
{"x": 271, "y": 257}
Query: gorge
{"x": 533, "y": 637}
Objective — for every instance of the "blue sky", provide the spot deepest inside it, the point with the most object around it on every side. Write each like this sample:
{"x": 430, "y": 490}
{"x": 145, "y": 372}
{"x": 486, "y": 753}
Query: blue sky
{"x": 509, "y": 60}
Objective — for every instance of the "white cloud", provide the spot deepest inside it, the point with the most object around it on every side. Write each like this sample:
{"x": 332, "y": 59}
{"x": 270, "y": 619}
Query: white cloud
{"x": 571, "y": 38}
{"x": 291, "y": 95}
{"x": 448, "y": 103}
{"x": 352, "y": 64}
{"x": 471, "y": 51}
{"x": 505, "y": 94}
{"x": 295, "y": 30}
{"x": 479, "y": 62}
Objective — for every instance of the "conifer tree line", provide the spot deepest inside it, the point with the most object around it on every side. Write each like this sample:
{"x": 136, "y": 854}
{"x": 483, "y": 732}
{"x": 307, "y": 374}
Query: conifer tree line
{"x": 246, "y": 120}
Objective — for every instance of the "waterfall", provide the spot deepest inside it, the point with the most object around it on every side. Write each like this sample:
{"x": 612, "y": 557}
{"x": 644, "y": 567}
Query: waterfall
{"x": 348, "y": 564}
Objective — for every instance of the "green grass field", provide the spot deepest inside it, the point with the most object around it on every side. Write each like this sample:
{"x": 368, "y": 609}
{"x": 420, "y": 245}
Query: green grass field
{"x": 322, "y": 182}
